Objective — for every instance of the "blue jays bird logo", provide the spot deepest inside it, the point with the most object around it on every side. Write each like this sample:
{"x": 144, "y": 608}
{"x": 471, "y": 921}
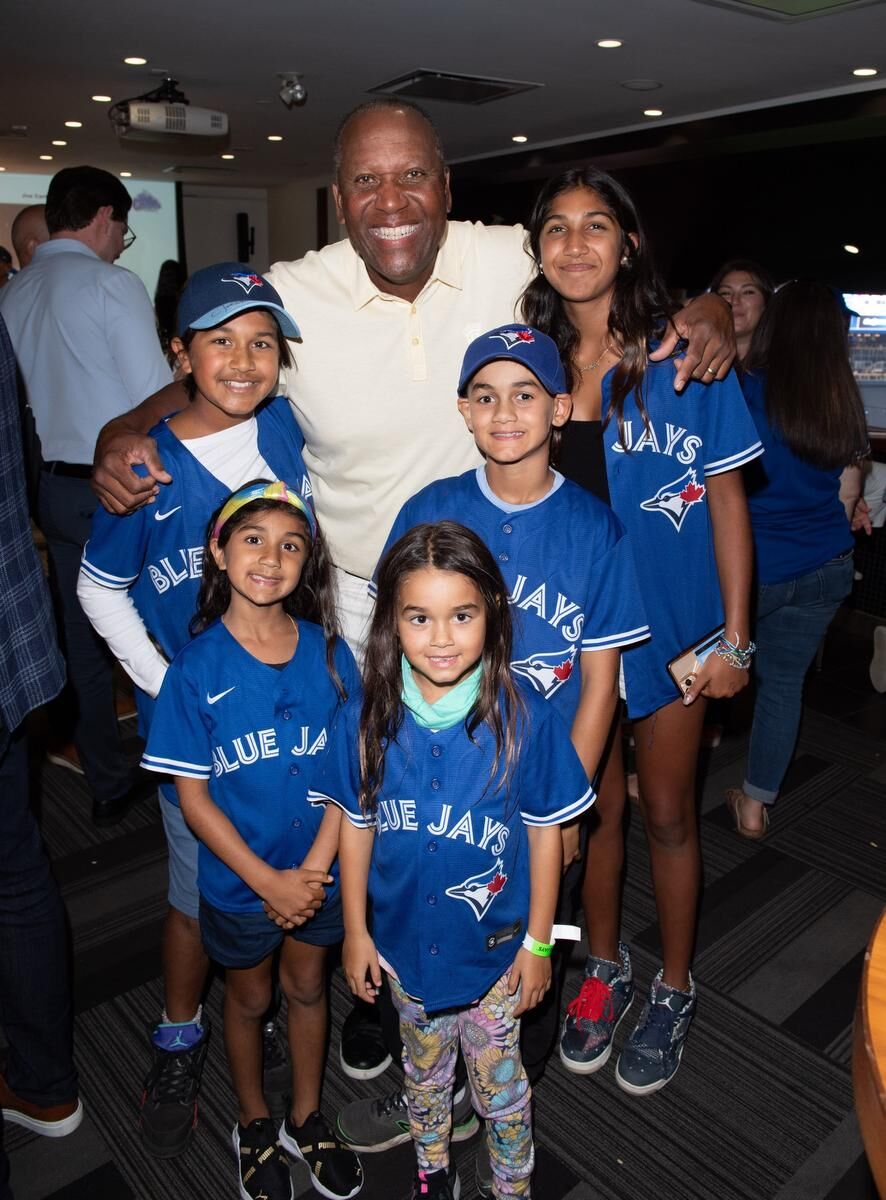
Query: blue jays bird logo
{"x": 480, "y": 890}
{"x": 546, "y": 672}
{"x": 246, "y": 282}
{"x": 511, "y": 337}
{"x": 675, "y": 499}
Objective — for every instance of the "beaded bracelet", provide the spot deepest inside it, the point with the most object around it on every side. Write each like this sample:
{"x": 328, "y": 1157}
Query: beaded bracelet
{"x": 733, "y": 654}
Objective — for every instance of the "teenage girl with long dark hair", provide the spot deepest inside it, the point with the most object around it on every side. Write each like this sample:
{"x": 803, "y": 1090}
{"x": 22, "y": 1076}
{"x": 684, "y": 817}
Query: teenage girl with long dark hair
{"x": 668, "y": 465}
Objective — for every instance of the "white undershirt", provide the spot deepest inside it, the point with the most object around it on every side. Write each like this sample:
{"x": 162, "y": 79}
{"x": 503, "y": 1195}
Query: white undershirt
{"x": 233, "y": 457}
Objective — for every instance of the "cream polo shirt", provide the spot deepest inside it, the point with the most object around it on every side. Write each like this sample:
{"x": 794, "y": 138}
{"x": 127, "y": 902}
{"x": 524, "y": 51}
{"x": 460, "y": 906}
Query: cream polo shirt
{"x": 374, "y": 387}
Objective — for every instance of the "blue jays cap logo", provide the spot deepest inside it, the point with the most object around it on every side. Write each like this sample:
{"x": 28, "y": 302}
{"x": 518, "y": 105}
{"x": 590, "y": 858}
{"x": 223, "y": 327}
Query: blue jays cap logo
{"x": 246, "y": 282}
{"x": 480, "y": 890}
{"x": 675, "y": 499}
{"x": 546, "y": 672}
{"x": 512, "y": 337}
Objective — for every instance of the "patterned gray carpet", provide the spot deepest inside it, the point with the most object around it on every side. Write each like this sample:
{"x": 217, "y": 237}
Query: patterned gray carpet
{"x": 761, "y": 1108}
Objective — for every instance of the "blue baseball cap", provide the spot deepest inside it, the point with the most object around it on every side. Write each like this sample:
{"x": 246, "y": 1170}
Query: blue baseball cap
{"x": 217, "y": 293}
{"x": 518, "y": 343}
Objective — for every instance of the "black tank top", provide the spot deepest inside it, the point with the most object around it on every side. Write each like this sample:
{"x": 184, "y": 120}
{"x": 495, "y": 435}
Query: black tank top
{"x": 581, "y": 457}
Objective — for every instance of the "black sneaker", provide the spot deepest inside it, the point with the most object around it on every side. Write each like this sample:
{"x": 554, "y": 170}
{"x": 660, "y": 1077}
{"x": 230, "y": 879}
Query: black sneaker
{"x": 168, "y": 1113}
{"x": 263, "y": 1167}
{"x": 276, "y": 1072}
{"x": 435, "y": 1185}
{"x": 335, "y": 1168}
{"x": 379, "y": 1124}
{"x": 363, "y": 1053}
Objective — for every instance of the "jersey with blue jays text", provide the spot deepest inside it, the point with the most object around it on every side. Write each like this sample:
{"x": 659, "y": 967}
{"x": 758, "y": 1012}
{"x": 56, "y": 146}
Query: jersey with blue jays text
{"x": 258, "y": 735}
{"x": 449, "y": 879}
{"x": 156, "y": 553}
{"x": 568, "y": 565}
{"x": 657, "y": 486}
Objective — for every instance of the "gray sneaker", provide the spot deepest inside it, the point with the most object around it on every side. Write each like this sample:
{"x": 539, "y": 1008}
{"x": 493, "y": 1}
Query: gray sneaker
{"x": 651, "y": 1055}
{"x": 592, "y": 1018}
{"x": 371, "y": 1126}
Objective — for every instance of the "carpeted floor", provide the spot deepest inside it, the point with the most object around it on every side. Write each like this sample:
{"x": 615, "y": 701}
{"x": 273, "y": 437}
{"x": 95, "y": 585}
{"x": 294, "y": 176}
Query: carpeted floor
{"x": 761, "y": 1108}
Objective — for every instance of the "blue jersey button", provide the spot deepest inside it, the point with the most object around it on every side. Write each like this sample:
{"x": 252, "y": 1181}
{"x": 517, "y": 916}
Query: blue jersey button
{"x": 286, "y": 714}
{"x": 435, "y": 785}
{"x": 296, "y": 824}
{"x": 507, "y": 528}
{"x": 293, "y": 770}
{"x": 432, "y": 846}
{"x": 503, "y": 557}
{"x": 431, "y": 898}
{"x": 436, "y": 751}
{"x": 434, "y": 948}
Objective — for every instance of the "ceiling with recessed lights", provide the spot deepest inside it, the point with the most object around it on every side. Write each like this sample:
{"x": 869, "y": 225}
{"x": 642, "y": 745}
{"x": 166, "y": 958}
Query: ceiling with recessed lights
{"x": 677, "y": 58}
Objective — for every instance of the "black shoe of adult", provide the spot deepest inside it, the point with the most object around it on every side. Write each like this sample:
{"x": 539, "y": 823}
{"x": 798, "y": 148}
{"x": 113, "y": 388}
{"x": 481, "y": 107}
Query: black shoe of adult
{"x": 363, "y": 1053}
{"x": 109, "y": 812}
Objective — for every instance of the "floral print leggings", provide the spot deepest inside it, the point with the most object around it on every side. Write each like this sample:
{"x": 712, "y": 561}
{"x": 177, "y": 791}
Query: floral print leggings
{"x": 489, "y": 1034}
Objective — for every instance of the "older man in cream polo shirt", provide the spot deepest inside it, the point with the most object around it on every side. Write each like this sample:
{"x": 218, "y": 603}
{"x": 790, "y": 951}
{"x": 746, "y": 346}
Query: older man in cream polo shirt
{"x": 385, "y": 317}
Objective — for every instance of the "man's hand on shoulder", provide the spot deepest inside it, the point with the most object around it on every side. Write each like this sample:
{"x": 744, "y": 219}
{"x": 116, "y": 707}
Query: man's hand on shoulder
{"x": 123, "y": 443}
{"x": 706, "y": 324}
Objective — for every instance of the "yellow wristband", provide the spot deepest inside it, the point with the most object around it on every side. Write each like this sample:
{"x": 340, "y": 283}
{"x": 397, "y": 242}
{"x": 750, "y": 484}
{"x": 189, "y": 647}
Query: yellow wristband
{"x": 542, "y": 949}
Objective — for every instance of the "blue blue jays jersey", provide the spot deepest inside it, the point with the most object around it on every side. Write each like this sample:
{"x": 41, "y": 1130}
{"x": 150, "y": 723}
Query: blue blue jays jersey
{"x": 257, "y": 735}
{"x": 449, "y": 878}
{"x": 657, "y": 486}
{"x": 569, "y": 568}
{"x": 156, "y": 553}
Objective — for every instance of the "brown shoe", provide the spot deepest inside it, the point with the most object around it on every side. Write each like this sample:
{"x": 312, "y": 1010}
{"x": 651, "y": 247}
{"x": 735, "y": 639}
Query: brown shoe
{"x": 54, "y": 1120}
{"x": 734, "y": 798}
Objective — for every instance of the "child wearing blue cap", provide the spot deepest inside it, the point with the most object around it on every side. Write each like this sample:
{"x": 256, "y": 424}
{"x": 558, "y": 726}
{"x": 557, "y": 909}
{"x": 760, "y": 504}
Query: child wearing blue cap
{"x": 139, "y": 580}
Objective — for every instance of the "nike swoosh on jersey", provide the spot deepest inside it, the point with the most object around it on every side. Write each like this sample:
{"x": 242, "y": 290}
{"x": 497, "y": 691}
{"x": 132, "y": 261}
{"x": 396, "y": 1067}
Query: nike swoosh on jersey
{"x": 159, "y": 516}
{"x": 214, "y": 699}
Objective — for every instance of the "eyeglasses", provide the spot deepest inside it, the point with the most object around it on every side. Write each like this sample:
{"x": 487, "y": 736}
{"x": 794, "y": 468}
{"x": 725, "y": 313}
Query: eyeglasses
{"x": 128, "y": 237}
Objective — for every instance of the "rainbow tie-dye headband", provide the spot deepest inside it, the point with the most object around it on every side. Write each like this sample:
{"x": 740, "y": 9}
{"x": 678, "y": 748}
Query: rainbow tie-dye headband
{"x": 278, "y": 490}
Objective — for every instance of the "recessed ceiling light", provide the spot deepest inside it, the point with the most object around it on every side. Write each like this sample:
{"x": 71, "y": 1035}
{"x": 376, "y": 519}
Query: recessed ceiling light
{"x": 227, "y": 156}
{"x": 59, "y": 142}
{"x": 865, "y": 72}
{"x": 73, "y": 124}
{"x": 135, "y": 61}
{"x": 125, "y": 174}
{"x": 102, "y": 99}
{"x": 275, "y": 137}
{"x": 519, "y": 137}
{"x": 609, "y": 44}
{"x": 46, "y": 158}
{"x": 851, "y": 249}
{"x": 2, "y": 168}
{"x": 652, "y": 112}
{"x": 640, "y": 85}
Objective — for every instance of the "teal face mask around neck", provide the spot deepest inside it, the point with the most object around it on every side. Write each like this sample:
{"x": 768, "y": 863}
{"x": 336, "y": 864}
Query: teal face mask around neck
{"x": 451, "y": 708}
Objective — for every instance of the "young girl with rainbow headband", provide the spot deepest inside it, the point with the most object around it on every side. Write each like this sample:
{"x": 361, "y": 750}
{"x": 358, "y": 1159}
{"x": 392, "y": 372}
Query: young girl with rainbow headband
{"x": 454, "y": 781}
{"x": 241, "y": 723}
{"x": 669, "y": 465}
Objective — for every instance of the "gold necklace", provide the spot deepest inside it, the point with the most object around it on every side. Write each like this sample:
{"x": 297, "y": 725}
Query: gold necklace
{"x": 593, "y": 366}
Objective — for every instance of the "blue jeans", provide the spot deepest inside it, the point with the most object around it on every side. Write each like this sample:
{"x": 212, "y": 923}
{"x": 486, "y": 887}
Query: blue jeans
{"x": 792, "y": 618}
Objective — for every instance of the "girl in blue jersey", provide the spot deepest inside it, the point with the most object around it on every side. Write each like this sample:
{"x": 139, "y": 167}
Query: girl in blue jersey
{"x": 454, "y": 780}
{"x": 138, "y": 585}
{"x": 668, "y": 464}
{"x": 241, "y": 722}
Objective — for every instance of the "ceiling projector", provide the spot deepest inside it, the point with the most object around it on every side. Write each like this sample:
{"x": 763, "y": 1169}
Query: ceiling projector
{"x": 164, "y": 112}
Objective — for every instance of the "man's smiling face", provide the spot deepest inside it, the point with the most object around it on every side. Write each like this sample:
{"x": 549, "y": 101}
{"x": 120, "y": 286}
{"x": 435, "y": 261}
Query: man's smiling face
{"x": 393, "y": 196}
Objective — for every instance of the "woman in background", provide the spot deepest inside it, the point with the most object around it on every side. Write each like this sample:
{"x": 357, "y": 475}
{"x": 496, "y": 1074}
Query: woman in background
{"x": 804, "y": 400}
{"x": 747, "y": 288}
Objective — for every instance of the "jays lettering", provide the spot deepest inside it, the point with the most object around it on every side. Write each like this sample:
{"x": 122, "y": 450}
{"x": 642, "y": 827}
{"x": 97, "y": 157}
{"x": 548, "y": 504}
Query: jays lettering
{"x": 175, "y": 568}
{"x": 484, "y": 832}
{"x": 260, "y": 745}
{"x": 674, "y": 441}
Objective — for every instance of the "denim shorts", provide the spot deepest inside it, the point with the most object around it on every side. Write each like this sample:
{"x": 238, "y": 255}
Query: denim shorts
{"x": 183, "y": 847}
{"x": 239, "y": 940}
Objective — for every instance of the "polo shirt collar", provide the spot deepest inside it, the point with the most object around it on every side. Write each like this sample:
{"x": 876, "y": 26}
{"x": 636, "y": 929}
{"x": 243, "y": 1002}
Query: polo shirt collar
{"x": 447, "y": 270}
{"x": 62, "y": 245}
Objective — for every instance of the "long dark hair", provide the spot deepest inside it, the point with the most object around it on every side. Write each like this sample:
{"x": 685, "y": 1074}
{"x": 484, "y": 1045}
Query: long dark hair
{"x": 313, "y": 600}
{"x": 758, "y": 274}
{"x": 445, "y": 546}
{"x": 640, "y": 306}
{"x": 812, "y": 398}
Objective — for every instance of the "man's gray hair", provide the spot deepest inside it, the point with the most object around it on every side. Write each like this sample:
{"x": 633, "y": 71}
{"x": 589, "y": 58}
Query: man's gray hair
{"x": 380, "y": 104}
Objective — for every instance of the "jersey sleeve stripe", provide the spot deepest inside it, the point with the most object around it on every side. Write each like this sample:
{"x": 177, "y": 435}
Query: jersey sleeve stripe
{"x": 104, "y": 578}
{"x": 628, "y": 638}
{"x": 734, "y": 460}
{"x": 356, "y": 818}
{"x": 171, "y": 766}
{"x": 569, "y": 813}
